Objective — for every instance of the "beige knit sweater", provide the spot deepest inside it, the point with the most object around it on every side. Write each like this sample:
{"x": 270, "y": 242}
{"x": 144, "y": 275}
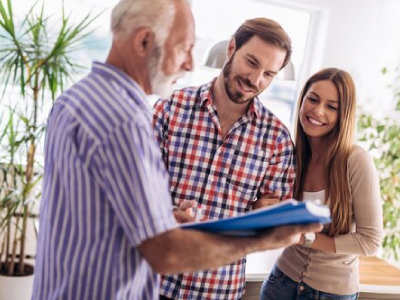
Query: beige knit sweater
{"x": 337, "y": 273}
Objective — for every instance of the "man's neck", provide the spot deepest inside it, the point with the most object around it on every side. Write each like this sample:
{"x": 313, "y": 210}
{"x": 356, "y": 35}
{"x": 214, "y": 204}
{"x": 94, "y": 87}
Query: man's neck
{"x": 223, "y": 103}
{"x": 228, "y": 111}
{"x": 136, "y": 68}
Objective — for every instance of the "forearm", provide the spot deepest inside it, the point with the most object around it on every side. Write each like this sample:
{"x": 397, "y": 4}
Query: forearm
{"x": 366, "y": 242}
{"x": 280, "y": 174}
{"x": 348, "y": 244}
{"x": 188, "y": 250}
{"x": 367, "y": 209}
{"x": 179, "y": 251}
{"x": 322, "y": 242}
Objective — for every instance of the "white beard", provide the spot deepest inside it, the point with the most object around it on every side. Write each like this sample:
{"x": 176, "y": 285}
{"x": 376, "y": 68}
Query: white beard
{"x": 161, "y": 84}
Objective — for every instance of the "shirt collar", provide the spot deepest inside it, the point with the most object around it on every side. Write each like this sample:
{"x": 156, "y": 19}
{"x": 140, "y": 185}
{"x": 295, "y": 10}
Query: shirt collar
{"x": 125, "y": 81}
{"x": 205, "y": 95}
{"x": 255, "y": 108}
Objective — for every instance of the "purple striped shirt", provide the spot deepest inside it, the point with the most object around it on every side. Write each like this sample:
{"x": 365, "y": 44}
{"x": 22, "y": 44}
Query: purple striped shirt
{"x": 105, "y": 192}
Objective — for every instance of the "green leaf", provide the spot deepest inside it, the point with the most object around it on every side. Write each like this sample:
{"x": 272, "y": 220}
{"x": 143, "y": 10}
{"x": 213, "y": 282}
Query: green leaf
{"x": 383, "y": 136}
{"x": 34, "y": 58}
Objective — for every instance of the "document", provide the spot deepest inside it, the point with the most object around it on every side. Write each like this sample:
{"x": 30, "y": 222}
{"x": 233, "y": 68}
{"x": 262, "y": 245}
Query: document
{"x": 288, "y": 212}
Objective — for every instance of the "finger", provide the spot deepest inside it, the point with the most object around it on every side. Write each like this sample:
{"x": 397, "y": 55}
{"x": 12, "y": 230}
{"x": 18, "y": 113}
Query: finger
{"x": 270, "y": 195}
{"x": 271, "y": 201}
{"x": 264, "y": 202}
{"x": 186, "y": 204}
{"x": 292, "y": 232}
{"x": 281, "y": 236}
{"x": 295, "y": 229}
{"x": 313, "y": 227}
{"x": 183, "y": 217}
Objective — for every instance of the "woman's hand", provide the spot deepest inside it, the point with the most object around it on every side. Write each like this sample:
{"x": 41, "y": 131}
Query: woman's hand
{"x": 266, "y": 200}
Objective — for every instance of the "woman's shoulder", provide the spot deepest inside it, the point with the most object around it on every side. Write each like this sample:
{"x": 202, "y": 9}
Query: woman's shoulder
{"x": 357, "y": 150}
{"x": 360, "y": 158}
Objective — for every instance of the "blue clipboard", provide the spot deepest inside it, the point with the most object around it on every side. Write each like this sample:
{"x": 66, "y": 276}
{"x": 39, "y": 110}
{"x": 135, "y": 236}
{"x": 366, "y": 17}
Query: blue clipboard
{"x": 288, "y": 212}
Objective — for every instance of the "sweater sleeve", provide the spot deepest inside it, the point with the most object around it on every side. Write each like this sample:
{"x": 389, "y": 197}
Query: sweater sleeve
{"x": 366, "y": 205}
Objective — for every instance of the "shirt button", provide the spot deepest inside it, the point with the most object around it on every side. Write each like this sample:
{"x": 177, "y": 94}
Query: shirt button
{"x": 211, "y": 179}
{"x": 301, "y": 288}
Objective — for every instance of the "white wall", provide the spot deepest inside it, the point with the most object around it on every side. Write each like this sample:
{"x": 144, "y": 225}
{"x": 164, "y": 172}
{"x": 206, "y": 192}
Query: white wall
{"x": 360, "y": 36}
{"x": 363, "y": 36}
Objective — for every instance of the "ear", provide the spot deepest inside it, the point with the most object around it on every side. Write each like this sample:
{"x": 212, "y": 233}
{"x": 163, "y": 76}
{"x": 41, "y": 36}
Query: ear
{"x": 231, "y": 48}
{"x": 143, "y": 41}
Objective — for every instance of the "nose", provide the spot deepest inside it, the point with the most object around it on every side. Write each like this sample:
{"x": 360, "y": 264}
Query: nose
{"x": 188, "y": 63}
{"x": 256, "y": 78}
{"x": 319, "y": 110}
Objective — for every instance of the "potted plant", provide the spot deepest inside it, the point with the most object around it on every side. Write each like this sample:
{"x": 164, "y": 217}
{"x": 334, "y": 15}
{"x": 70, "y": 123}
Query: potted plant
{"x": 35, "y": 65}
{"x": 382, "y": 137}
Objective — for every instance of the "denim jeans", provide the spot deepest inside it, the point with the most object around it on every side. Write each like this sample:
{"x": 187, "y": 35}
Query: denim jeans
{"x": 280, "y": 287}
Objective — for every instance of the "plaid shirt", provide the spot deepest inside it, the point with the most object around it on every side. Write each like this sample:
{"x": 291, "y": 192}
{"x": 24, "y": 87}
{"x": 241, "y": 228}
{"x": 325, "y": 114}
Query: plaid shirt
{"x": 225, "y": 176}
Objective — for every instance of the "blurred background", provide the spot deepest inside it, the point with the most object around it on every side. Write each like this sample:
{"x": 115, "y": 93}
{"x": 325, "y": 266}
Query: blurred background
{"x": 360, "y": 36}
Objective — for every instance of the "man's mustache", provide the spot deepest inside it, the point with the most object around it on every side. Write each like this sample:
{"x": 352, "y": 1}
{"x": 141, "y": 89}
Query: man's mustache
{"x": 247, "y": 82}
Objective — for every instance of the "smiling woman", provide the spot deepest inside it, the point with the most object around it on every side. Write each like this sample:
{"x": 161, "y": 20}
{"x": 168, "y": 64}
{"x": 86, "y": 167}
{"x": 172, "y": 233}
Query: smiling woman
{"x": 319, "y": 111}
{"x": 332, "y": 169}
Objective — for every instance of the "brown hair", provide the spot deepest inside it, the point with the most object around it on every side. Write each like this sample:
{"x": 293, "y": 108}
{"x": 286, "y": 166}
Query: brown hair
{"x": 340, "y": 142}
{"x": 269, "y": 31}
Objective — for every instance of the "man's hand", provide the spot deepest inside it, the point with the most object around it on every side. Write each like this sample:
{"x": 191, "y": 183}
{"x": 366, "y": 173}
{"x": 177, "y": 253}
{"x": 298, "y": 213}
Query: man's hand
{"x": 178, "y": 251}
{"x": 266, "y": 200}
{"x": 184, "y": 213}
{"x": 182, "y": 216}
{"x": 283, "y": 236}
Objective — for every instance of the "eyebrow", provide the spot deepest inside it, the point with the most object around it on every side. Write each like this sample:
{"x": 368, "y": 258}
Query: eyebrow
{"x": 316, "y": 95}
{"x": 251, "y": 56}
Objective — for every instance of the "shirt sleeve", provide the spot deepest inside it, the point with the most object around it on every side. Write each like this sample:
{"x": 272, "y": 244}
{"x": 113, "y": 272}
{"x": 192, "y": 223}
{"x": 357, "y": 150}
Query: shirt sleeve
{"x": 136, "y": 182}
{"x": 160, "y": 123}
{"x": 367, "y": 208}
{"x": 280, "y": 174}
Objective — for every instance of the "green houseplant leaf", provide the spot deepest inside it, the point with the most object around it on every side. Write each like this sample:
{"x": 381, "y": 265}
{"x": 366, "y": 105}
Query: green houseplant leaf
{"x": 382, "y": 137}
{"x": 36, "y": 58}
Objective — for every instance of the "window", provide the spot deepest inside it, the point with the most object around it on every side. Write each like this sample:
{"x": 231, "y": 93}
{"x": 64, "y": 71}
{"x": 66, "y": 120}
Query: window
{"x": 216, "y": 23}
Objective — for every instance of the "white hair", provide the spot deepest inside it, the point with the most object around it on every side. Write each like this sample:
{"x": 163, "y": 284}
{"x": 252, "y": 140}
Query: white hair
{"x": 129, "y": 15}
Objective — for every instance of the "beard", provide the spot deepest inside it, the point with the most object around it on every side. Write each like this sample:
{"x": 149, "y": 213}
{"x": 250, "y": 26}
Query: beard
{"x": 236, "y": 96}
{"x": 161, "y": 84}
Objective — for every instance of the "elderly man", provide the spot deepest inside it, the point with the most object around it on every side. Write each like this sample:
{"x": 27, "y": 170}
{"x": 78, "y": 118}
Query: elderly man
{"x": 106, "y": 221}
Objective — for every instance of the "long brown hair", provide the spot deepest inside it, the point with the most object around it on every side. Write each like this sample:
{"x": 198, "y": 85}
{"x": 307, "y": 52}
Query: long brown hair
{"x": 340, "y": 142}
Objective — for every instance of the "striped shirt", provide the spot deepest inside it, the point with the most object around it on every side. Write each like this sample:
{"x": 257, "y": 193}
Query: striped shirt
{"x": 105, "y": 192}
{"x": 224, "y": 175}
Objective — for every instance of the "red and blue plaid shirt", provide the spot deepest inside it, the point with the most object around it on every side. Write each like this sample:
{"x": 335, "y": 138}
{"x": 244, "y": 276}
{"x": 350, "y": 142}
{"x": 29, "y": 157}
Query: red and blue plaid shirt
{"x": 225, "y": 176}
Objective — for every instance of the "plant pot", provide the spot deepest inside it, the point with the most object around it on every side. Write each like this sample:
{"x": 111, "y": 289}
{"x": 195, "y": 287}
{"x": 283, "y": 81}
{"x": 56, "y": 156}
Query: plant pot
{"x": 16, "y": 287}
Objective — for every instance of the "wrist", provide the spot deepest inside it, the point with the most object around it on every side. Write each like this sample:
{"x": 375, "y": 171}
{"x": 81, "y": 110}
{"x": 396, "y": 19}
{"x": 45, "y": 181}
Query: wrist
{"x": 308, "y": 239}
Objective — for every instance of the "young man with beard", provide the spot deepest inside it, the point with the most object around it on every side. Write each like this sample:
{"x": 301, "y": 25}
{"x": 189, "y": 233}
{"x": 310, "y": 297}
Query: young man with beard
{"x": 224, "y": 149}
{"x": 106, "y": 221}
